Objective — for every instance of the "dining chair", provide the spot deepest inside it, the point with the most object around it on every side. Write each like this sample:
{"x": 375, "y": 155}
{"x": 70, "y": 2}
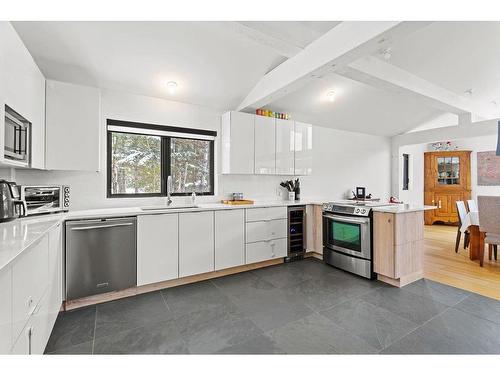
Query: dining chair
{"x": 489, "y": 223}
{"x": 462, "y": 211}
{"x": 472, "y": 205}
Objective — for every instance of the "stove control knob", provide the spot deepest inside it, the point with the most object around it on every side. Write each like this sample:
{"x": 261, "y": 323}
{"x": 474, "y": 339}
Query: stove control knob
{"x": 357, "y": 210}
{"x": 363, "y": 211}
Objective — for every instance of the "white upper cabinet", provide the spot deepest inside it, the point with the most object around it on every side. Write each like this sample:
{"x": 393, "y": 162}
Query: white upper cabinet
{"x": 237, "y": 143}
{"x": 196, "y": 243}
{"x": 73, "y": 131}
{"x": 303, "y": 148}
{"x": 253, "y": 144}
{"x": 265, "y": 145}
{"x": 22, "y": 88}
{"x": 285, "y": 143}
{"x": 229, "y": 238}
{"x": 157, "y": 248}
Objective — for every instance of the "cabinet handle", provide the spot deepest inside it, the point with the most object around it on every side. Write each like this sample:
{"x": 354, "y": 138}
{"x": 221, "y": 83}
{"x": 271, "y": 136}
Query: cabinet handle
{"x": 439, "y": 204}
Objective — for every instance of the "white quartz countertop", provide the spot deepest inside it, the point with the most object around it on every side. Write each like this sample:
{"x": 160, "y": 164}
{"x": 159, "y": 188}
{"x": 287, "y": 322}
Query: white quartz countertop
{"x": 18, "y": 235}
{"x": 400, "y": 208}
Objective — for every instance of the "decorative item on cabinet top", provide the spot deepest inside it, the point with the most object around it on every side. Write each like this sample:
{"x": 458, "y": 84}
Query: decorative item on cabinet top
{"x": 268, "y": 113}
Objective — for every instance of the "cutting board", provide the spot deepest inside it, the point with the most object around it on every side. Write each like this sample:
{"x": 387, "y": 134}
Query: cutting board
{"x": 238, "y": 203}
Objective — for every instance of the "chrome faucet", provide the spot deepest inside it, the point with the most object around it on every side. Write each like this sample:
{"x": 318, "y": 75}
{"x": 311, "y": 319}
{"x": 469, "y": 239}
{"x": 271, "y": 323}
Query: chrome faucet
{"x": 169, "y": 190}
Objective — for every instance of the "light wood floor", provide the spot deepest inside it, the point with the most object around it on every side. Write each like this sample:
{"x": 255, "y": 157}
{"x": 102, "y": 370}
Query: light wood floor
{"x": 443, "y": 265}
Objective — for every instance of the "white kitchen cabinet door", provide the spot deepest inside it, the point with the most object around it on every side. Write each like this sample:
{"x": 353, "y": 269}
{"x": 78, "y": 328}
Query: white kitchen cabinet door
{"x": 265, "y": 250}
{"x": 229, "y": 238}
{"x": 303, "y": 148}
{"x": 266, "y": 213}
{"x": 23, "y": 89}
{"x": 196, "y": 243}
{"x": 237, "y": 143}
{"x": 285, "y": 144}
{"x": 5, "y": 310}
{"x": 265, "y": 145}
{"x": 73, "y": 130}
{"x": 35, "y": 334}
{"x": 266, "y": 230}
{"x": 157, "y": 248}
{"x": 54, "y": 291}
{"x": 29, "y": 283}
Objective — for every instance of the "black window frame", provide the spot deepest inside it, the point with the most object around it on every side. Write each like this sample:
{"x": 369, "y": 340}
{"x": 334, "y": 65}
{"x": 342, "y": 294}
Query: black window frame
{"x": 165, "y": 156}
{"x": 406, "y": 171}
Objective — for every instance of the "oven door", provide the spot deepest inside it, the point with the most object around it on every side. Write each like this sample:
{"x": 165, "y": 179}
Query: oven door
{"x": 347, "y": 234}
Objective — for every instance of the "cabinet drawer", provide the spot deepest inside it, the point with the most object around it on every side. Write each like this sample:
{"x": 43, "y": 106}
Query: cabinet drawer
{"x": 266, "y": 213}
{"x": 265, "y": 230}
{"x": 265, "y": 250}
{"x": 35, "y": 334}
{"x": 29, "y": 281}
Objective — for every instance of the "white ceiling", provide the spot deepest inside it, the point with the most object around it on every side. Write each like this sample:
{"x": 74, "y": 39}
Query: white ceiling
{"x": 357, "y": 107}
{"x": 213, "y": 66}
{"x": 457, "y": 56}
{"x": 217, "y": 64}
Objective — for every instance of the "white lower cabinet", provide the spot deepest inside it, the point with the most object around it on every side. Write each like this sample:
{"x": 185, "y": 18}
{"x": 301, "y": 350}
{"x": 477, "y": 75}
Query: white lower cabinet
{"x": 35, "y": 334}
{"x": 266, "y": 230}
{"x": 157, "y": 248}
{"x": 5, "y": 310}
{"x": 229, "y": 238}
{"x": 196, "y": 243}
{"x": 266, "y": 234}
{"x": 55, "y": 290}
{"x": 265, "y": 250}
{"x": 29, "y": 282}
{"x": 36, "y": 293}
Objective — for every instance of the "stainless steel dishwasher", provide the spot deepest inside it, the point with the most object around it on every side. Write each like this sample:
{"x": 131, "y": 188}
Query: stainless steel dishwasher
{"x": 101, "y": 256}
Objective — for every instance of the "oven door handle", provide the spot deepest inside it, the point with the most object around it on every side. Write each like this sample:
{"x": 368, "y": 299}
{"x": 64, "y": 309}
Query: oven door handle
{"x": 347, "y": 219}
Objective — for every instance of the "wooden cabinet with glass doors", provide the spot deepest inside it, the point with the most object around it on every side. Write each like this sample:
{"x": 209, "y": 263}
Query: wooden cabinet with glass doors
{"x": 446, "y": 180}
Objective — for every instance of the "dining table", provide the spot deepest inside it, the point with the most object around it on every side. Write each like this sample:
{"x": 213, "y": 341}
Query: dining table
{"x": 471, "y": 223}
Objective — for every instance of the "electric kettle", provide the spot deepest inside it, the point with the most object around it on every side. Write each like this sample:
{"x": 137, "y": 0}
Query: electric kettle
{"x": 8, "y": 203}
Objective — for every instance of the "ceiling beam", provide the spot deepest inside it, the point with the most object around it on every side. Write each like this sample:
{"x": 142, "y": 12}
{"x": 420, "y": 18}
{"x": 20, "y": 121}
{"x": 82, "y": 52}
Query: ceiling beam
{"x": 380, "y": 74}
{"x": 346, "y": 42}
{"x": 281, "y": 47}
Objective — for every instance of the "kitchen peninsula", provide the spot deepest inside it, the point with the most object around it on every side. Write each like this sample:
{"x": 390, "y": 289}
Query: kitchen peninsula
{"x": 398, "y": 243}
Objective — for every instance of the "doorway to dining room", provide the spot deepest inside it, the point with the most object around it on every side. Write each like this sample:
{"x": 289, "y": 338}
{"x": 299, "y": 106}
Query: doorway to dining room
{"x": 463, "y": 180}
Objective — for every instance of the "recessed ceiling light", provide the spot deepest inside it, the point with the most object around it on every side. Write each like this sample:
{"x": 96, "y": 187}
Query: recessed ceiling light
{"x": 330, "y": 96}
{"x": 172, "y": 87}
{"x": 386, "y": 53}
{"x": 469, "y": 92}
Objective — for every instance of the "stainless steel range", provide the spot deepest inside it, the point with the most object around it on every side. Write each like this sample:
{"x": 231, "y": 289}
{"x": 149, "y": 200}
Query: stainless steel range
{"x": 347, "y": 236}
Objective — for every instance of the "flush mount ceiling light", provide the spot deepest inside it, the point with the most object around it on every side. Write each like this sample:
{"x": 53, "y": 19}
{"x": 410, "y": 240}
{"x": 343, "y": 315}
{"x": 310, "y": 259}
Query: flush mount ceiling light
{"x": 330, "y": 96}
{"x": 386, "y": 53}
{"x": 172, "y": 87}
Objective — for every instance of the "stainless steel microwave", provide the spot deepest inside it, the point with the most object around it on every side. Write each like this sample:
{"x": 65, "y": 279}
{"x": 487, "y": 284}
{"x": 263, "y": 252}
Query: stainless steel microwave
{"x": 41, "y": 199}
{"x": 17, "y": 147}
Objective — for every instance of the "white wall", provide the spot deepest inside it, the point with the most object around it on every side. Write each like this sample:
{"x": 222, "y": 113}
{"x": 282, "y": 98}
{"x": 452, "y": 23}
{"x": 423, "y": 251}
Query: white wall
{"x": 474, "y": 144}
{"x": 415, "y": 192}
{"x": 341, "y": 160}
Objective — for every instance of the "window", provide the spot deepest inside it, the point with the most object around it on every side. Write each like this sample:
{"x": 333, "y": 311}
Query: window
{"x": 142, "y": 156}
{"x": 406, "y": 171}
{"x": 448, "y": 170}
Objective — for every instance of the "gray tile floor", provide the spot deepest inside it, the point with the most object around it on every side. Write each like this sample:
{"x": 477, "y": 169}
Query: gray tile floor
{"x": 297, "y": 308}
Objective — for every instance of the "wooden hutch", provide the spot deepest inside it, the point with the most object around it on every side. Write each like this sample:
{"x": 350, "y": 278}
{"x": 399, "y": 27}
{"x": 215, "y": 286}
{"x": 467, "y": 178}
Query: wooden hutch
{"x": 446, "y": 180}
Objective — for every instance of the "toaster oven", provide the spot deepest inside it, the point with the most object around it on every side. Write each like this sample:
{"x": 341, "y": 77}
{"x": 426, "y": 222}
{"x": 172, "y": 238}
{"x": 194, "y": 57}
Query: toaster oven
{"x": 41, "y": 199}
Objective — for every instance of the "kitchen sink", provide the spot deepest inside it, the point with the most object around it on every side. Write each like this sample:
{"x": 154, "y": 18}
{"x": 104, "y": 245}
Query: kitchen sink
{"x": 173, "y": 207}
